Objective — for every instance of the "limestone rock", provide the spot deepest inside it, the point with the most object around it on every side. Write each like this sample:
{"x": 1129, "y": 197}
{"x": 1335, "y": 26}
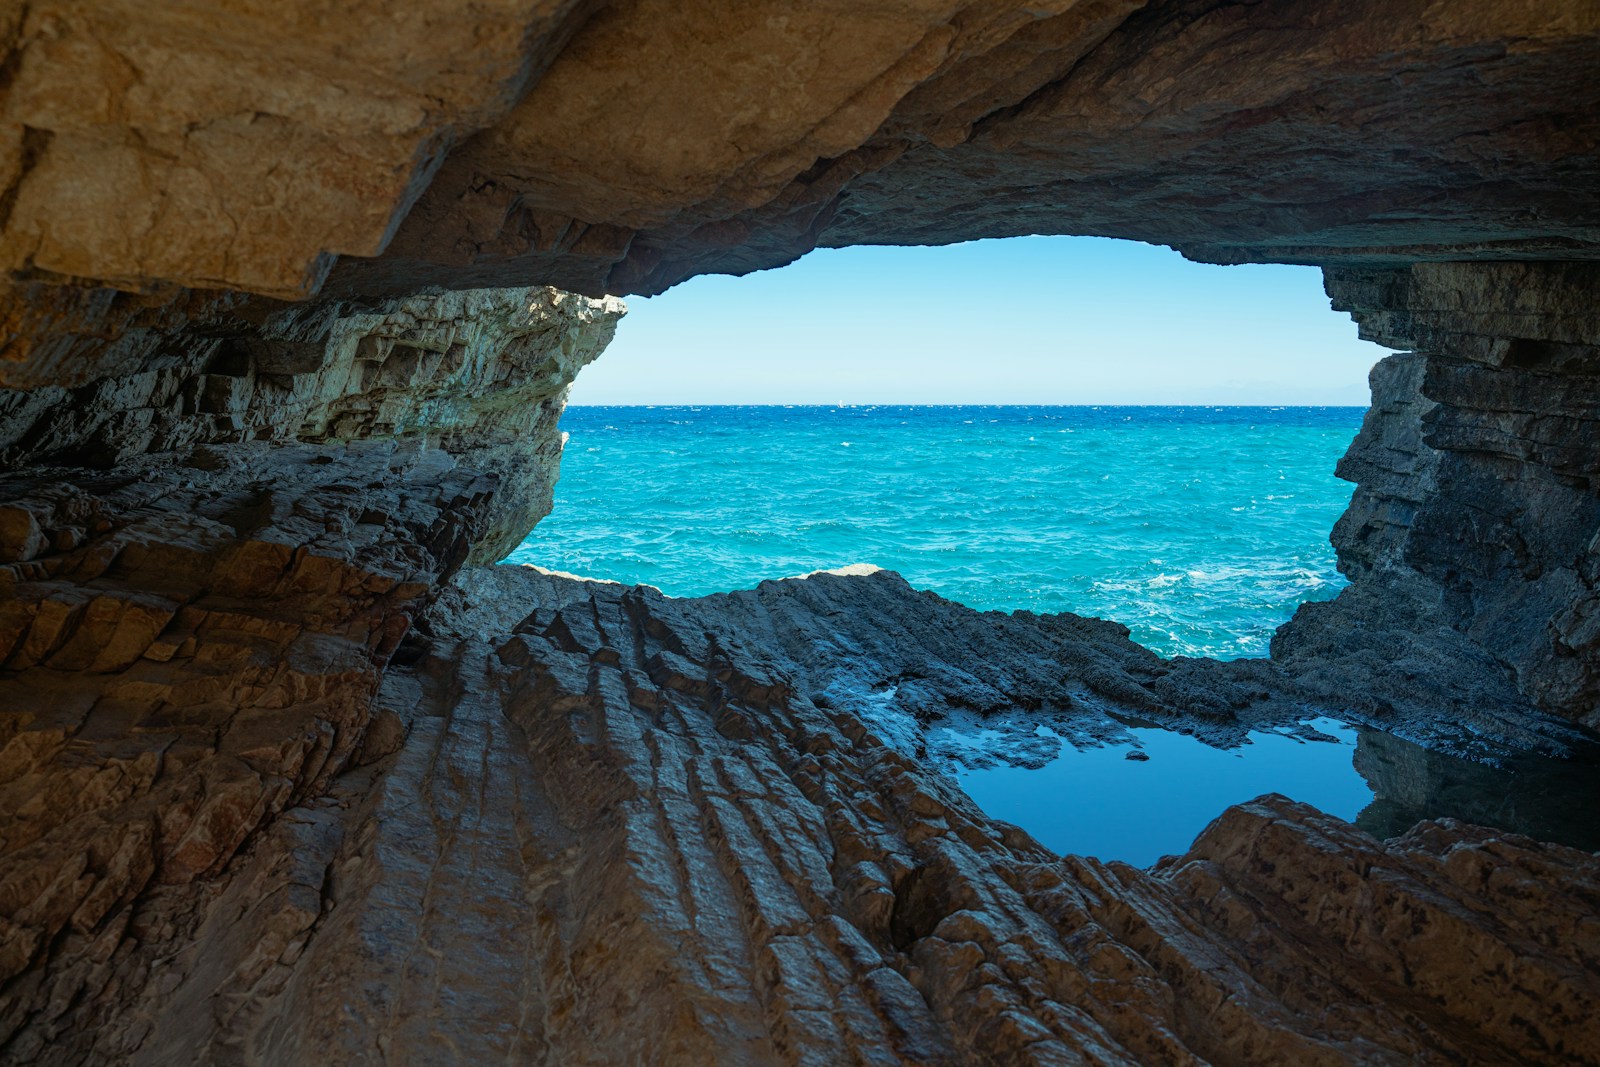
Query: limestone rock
{"x": 245, "y": 146}
{"x": 1261, "y": 132}
{"x": 275, "y": 786}
{"x": 623, "y": 147}
{"x": 201, "y": 655}
{"x": 627, "y": 807}
{"x": 193, "y": 630}
{"x": 481, "y": 373}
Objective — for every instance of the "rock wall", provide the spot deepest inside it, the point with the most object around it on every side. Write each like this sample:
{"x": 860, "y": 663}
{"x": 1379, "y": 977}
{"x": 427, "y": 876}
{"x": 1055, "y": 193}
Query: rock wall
{"x": 1477, "y": 508}
{"x": 243, "y": 146}
{"x": 193, "y": 629}
{"x": 480, "y": 373}
{"x": 625, "y": 146}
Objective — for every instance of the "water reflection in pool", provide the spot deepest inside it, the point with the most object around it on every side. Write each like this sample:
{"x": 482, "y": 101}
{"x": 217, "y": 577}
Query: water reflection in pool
{"x": 1151, "y": 791}
{"x": 1149, "y": 796}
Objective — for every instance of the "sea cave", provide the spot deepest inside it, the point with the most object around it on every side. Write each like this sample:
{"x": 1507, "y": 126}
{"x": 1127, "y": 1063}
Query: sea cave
{"x": 293, "y": 769}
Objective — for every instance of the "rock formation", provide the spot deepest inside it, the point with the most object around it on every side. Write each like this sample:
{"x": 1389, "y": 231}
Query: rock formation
{"x": 191, "y": 640}
{"x": 1478, "y": 474}
{"x": 286, "y": 777}
{"x": 657, "y": 140}
{"x": 619, "y": 808}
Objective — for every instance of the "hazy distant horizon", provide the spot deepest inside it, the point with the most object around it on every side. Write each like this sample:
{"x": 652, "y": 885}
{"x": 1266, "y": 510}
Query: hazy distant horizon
{"x": 1028, "y": 320}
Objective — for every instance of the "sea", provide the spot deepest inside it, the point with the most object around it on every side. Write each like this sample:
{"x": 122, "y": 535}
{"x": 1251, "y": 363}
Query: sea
{"x": 1199, "y": 528}
{"x": 1202, "y": 529}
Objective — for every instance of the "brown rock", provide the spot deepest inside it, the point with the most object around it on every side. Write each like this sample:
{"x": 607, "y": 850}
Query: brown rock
{"x": 811, "y": 894}
{"x": 625, "y": 147}
{"x": 273, "y": 789}
{"x": 150, "y": 142}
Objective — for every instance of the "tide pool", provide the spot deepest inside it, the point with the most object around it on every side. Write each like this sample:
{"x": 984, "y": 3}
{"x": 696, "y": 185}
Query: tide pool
{"x": 1100, "y": 802}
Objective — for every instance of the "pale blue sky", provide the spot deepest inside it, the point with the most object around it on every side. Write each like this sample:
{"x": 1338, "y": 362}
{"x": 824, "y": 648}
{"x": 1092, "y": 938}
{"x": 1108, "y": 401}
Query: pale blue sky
{"x": 1028, "y": 320}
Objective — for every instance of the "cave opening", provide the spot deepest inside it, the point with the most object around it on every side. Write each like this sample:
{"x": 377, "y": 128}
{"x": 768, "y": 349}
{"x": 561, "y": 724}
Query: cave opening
{"x": 1047, "y": 425}
{"x": 291, "y": 772}
{"x": 1044, "y": 424}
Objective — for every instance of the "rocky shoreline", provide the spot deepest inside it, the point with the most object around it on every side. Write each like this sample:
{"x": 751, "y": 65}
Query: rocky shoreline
{"x": 289, "y": 767}
{"x": 619, "y": 802}
{"x": 288, "y": 774}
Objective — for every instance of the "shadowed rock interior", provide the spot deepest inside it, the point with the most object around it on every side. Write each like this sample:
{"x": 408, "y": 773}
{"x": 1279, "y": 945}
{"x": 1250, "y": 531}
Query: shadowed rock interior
{"x": 287, "y": 774}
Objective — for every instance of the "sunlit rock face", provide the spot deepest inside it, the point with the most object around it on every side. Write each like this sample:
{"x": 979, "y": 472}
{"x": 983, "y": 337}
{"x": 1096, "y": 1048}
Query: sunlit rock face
{"x": 242, "y": 146}
{"x": 284, "y": 780}
{"x": 625, "y": 146}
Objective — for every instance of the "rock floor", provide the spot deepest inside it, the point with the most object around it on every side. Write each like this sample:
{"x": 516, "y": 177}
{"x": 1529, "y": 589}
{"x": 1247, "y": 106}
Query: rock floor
{"x": 613, "y": 827}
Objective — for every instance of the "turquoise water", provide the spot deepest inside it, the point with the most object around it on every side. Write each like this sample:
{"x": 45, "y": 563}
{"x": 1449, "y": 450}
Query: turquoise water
{"x": 1201, "y": 529}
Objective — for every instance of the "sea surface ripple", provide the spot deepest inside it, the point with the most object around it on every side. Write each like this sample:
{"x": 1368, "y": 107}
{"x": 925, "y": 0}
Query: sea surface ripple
{"x": 1200, "y": 528}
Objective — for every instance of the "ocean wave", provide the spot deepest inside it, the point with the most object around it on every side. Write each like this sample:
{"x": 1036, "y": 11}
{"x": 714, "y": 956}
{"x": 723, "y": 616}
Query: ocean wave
{"x": 1159, "y": 518}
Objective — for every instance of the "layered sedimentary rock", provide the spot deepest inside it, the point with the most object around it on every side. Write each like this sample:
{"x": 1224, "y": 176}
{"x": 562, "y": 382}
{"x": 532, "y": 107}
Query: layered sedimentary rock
{"x": 480, "y": 373}
{"x": 624, "y": 807}
{"x": 191, "y": 633}
{"x": 1474, "y": 532}
{"x": 283, "y": 791}
{"x": 279, "y": 784}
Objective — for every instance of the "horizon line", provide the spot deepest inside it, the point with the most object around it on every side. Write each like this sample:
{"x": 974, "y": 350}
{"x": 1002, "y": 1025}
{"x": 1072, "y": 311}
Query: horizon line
{"x": 916, "y": 404}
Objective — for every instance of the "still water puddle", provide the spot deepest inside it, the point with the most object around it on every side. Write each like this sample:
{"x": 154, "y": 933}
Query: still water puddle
{"x": 1110, "y": 803}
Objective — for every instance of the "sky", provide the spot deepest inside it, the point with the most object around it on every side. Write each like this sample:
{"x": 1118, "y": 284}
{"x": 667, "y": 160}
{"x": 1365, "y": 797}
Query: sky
{"x": 1022, "y": 320}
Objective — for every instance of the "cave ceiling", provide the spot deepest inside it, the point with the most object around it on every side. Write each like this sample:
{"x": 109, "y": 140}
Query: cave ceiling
{"x": 624, "y": 147}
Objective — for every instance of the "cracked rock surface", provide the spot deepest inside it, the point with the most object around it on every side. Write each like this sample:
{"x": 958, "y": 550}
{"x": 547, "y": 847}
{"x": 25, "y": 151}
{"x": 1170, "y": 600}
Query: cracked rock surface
{"x": 192, "y": 634}
{"x": 286, "y": 777}
{"x": 627, "y": 807}
{"x": 1473, "y": 538}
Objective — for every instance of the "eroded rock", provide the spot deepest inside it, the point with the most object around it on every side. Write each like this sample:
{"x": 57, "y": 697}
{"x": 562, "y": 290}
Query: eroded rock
{"x": 273, "y": 789}
{"x": 1473, "y": 538}
{"x": 623, "y": 147}
{"x": 193, "y": 636}
{"x": 617, "y": 809}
